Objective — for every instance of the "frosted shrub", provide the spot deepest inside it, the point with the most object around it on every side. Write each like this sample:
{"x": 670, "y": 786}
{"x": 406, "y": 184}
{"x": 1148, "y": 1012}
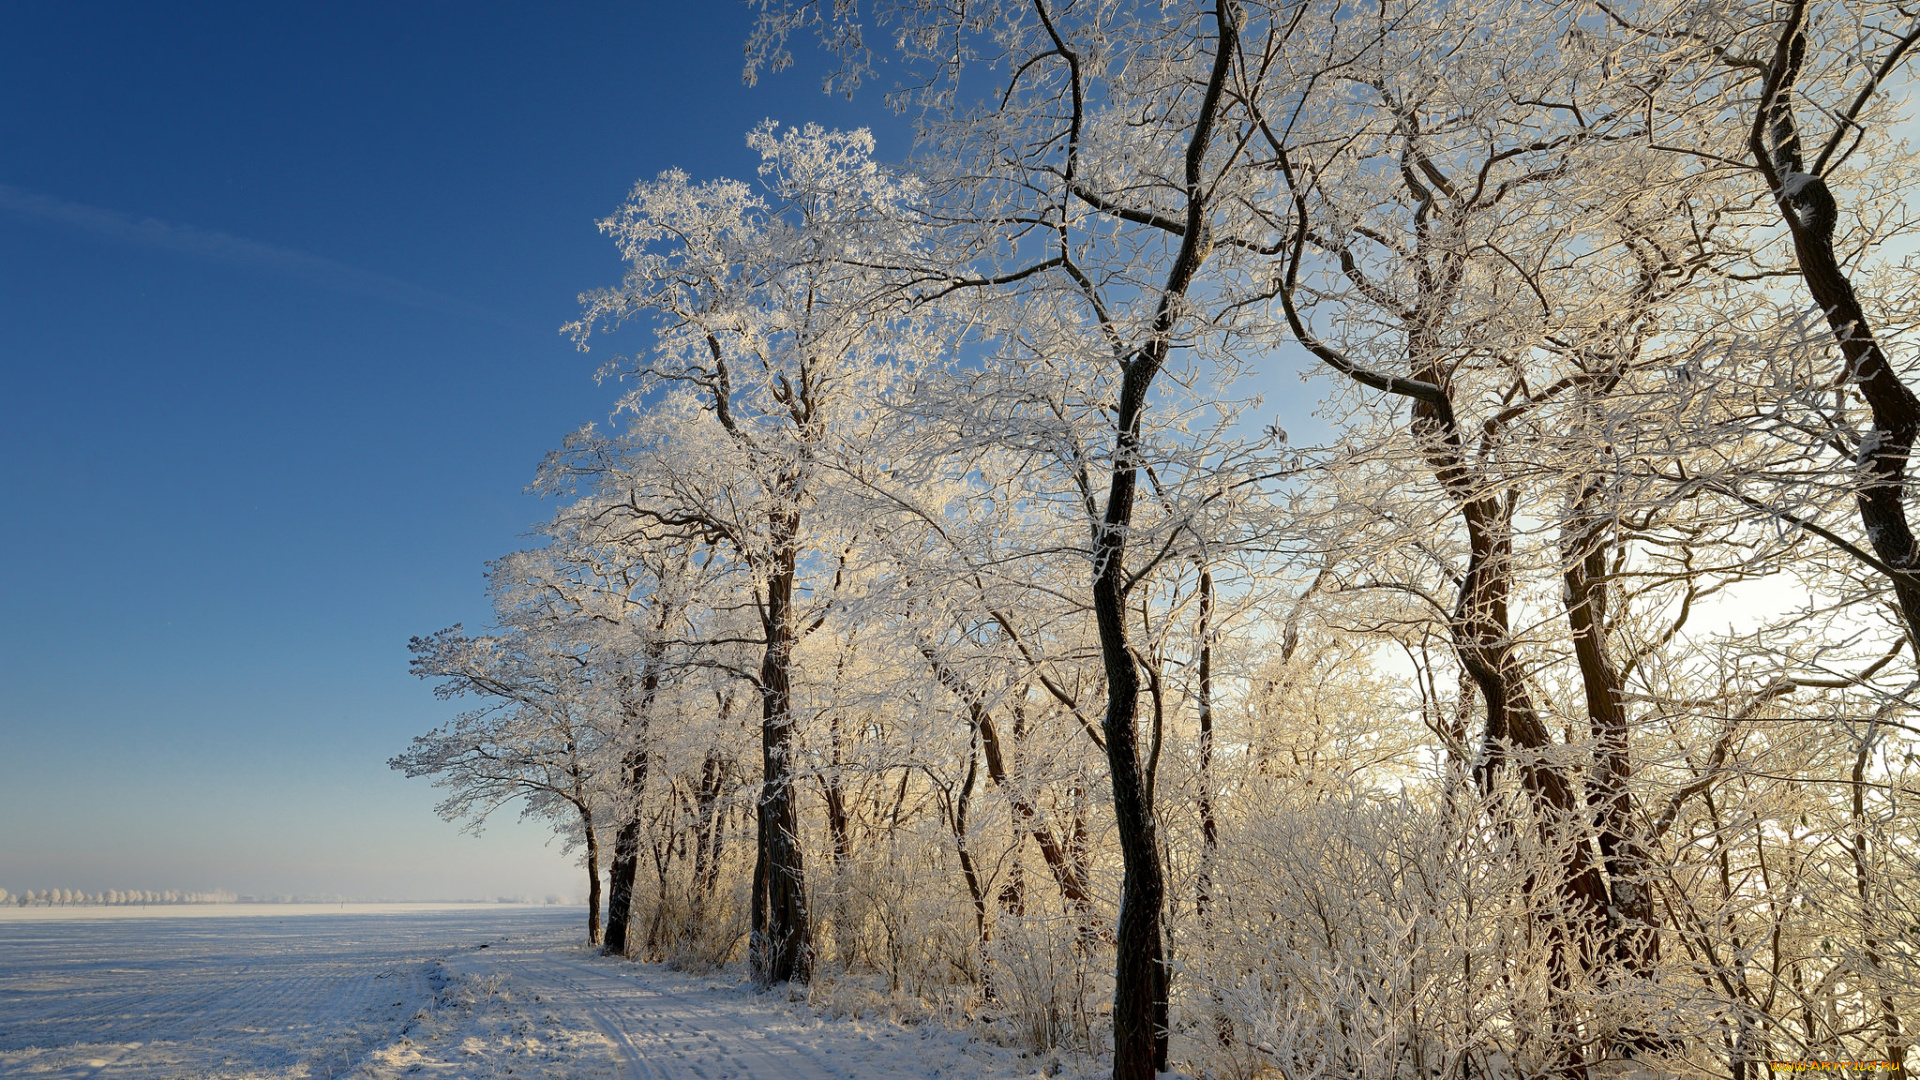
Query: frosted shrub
{"x": 888, "y": 919}
{"x": 1049, "y": 982}
{"x": 701, "y": 933}
{"x": 1371, "y": 938}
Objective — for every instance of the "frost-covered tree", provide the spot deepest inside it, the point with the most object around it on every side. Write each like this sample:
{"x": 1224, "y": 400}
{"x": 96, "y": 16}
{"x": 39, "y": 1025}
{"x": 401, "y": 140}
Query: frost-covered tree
{"x": 942, "y": 610}
{"x": 532, "y": 742}
{"x": 773, "y": 341}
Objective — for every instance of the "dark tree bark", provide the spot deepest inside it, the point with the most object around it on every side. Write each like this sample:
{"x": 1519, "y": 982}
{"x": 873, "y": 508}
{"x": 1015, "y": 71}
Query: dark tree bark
{"x": 1069, "y": 874}
{"x": 707, "y": 825}
{"x": 1140, "y": 973}
{"x": 1480, "y": 624}
{"x": 1209, "y": 827}
{"x": 665, "y": 841}
{"x": 782, "y": 939}
{"x": 960, "y": 805}
{"x": 1810, "y": 212}
{"x": 624, "y": 875}
{"x": 488, "y": 771}
{"x": 1632, "y": 944}
{"x": 1013, "y": 895}
{"x": 976, "y": 884}
{"x": 1203, "y": 706}
{"x": 1633, "y": 940}
{"x": 626, "y": 841}
{"x": 593, "y": 876}
{"x": 833, "y": 789}
{"x": 1140, "y": 980}
{"x": 1079, "y": 850}
{"x": 1483, "y": 638}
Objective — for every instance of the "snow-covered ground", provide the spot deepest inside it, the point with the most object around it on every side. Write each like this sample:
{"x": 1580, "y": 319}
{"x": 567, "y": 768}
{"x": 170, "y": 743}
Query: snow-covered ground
{"x": 476, "y": 992}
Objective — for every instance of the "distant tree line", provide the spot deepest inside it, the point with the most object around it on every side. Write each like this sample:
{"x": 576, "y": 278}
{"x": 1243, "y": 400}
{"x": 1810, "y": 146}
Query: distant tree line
{"x": 69, "y": 897}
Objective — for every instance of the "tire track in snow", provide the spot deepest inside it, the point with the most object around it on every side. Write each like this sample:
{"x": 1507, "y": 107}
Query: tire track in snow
{"x": 798, "y": 1049}
{"x": 658, "y": 1033}
{"x": 559, "y": 990}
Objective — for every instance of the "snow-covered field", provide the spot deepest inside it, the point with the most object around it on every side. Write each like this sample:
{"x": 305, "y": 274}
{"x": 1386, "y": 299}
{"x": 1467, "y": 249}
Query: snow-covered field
{"x": 471, "y": 992}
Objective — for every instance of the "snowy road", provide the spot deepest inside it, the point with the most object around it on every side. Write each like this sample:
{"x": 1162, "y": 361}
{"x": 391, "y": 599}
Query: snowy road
{"x": 650, "y": 1024}
{"x": 557, "y": 1009}
{"x": 475, "y": 994}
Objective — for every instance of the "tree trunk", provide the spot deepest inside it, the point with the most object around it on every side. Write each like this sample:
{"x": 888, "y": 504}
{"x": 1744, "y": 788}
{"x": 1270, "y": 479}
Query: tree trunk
{"x": 1140, "y": 974}
{"x": 1483, "y": 637}
{"x": 1872, "y": 946}
{"x": 1067, "y": 873}
{"x": 626, "y": 842}
{"x": 1140, "y": 979}
{"x": 1209, "y": 827}
{"x": 1013, "y": 895}
{"x": 707, "y": 825}
{"x": 1479, "y": 624}
{"x": 1203, "y": 706}
{"x": 1633, "y": 943}
{"x": 1632, "y": 946}
{"x": 663, "y": 847}
{"x": 1079, "y": 849}
{"x": 1483, "y": 640}
{"x": 976, "y": 885}
{"x": 1810, "y": 211}
{"x": 782, "y": 940}
{"x": 839, "y": 826}
{"x": 593, "y": 876}
{"x": 625, "y": 875}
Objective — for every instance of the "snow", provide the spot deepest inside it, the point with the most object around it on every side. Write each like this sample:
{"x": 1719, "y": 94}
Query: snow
{"x": 482, "y": 992}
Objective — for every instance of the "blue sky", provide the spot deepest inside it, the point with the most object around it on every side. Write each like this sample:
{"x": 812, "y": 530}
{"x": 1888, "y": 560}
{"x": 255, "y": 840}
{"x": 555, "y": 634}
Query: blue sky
{"x": 279, "y": 297}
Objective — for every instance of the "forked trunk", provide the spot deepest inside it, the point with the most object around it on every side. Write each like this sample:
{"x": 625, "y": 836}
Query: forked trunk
{"x": 707, "y": 826}
{"x": 976, "y": 884}
{"x": 1483, "y": 638}
{"x": 1068, "y": 873}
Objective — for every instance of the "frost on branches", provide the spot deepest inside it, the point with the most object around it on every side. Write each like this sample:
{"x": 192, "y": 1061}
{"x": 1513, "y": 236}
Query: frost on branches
{"x": 945, "y": 624}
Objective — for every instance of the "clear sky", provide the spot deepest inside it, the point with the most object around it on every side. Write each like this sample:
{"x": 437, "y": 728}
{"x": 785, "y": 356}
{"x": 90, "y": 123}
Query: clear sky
{"x": 279, "y": 295}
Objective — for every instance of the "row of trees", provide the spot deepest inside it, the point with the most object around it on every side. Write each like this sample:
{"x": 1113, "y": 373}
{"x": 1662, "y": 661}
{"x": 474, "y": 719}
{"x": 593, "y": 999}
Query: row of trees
{"x": 943, "y": 617}
{"x": 61, "y": 897}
